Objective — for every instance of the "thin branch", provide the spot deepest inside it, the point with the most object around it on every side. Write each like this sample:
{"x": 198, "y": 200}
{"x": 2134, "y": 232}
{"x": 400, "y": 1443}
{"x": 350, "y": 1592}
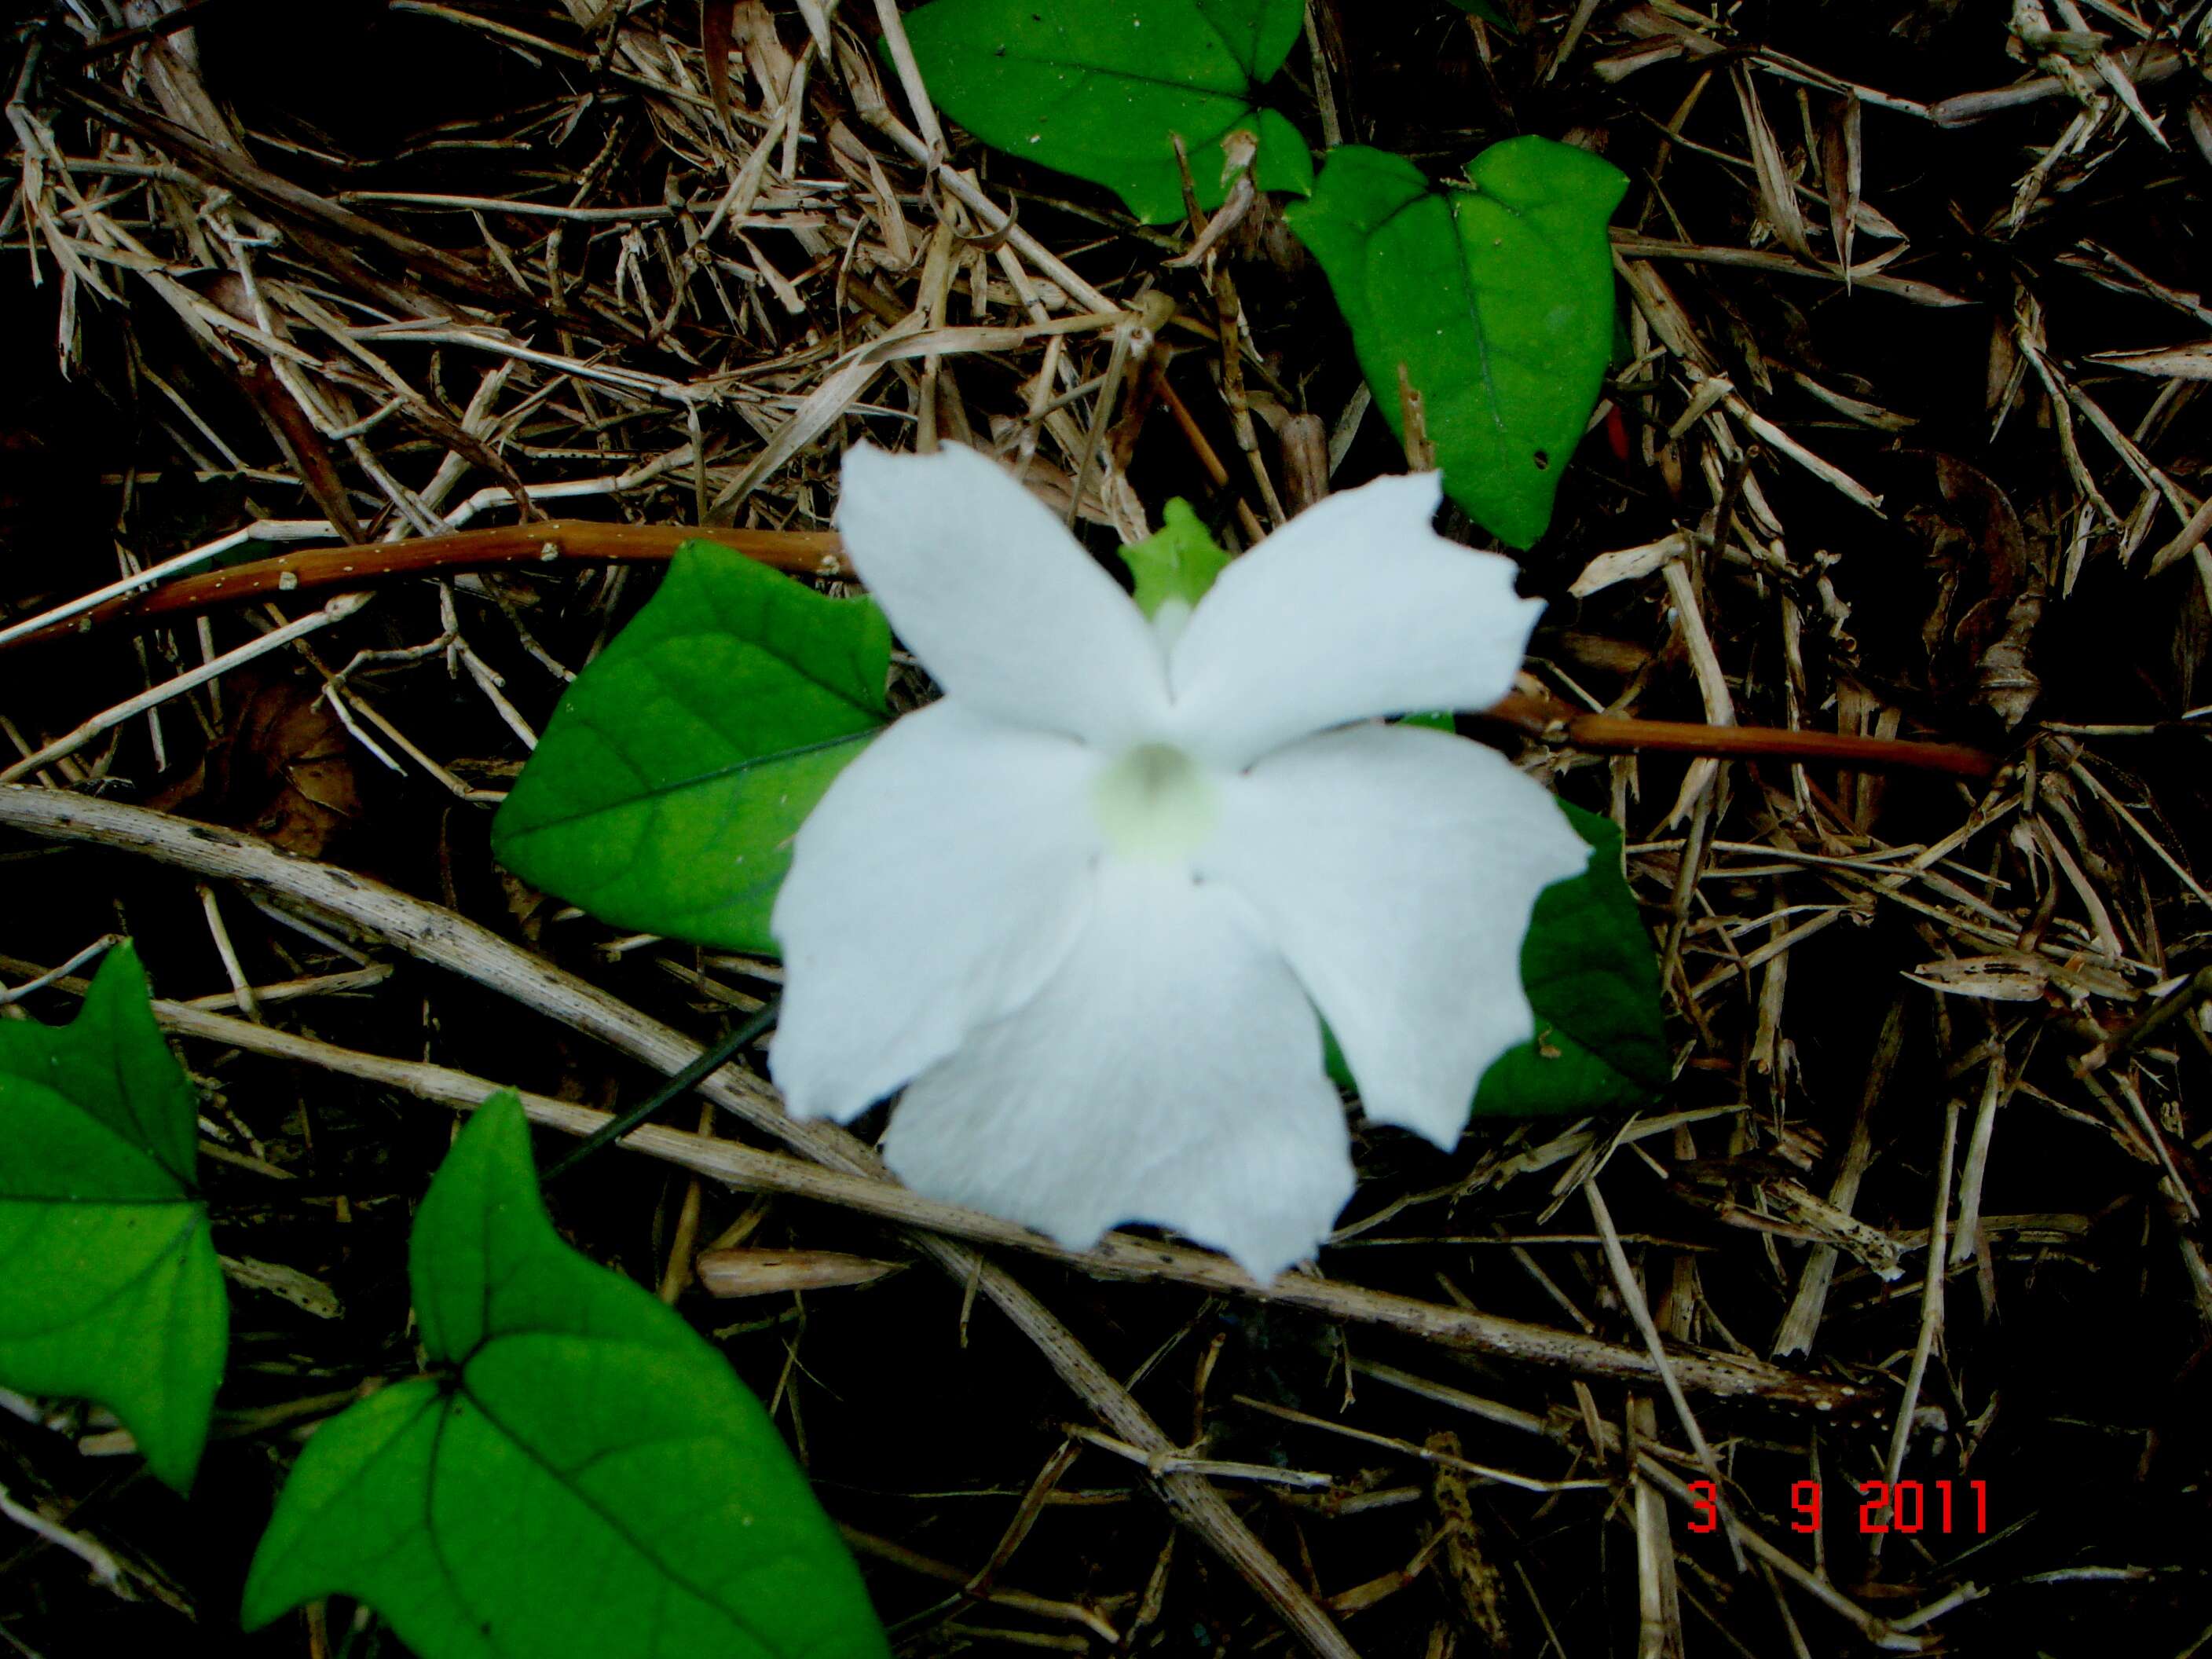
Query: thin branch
{"x": 1620, "y": 734}
{"x": 451, "y": 941}
{"x": 820, "y": 553}
{"x": 525, "y": 546}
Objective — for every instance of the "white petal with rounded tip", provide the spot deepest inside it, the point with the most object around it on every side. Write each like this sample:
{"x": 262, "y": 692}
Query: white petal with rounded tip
{"x": 1355, "y": 608}
{"x": 1395, "y": 868}
{"x": 1001, "y": 604}
{"x": 939, "y": 882}
{"x": 1170, "y": 1072}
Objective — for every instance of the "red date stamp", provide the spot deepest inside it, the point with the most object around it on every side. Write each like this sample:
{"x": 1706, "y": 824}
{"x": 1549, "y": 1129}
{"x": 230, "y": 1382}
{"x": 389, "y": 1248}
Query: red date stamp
{"x": 1906, "y": 1506}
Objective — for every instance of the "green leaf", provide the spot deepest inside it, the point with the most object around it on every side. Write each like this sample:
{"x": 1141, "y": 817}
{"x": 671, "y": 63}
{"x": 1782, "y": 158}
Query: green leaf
{"x": 1179, "y": 561}
{"x": 111, "y": 1290}
{"x": 580, "y": 1476}
{"x": 1097, "y": 89}
{"x": 1487, "y": 11}
{"x": 1259, "y": 34}
{"x": 1496, "y": 297}
{"x": 666, "y": 789}
{"x": 1588, "y": 968}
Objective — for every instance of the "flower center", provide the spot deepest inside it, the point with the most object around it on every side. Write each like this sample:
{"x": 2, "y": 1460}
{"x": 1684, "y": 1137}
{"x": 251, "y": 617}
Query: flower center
{"x": 1155, "y": 803}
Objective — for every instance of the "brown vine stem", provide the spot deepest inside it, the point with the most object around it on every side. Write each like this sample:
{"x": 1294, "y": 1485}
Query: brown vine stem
{"x": 820, "y": 553}
{"x": 1555, "y": 723}
{"x": 520, "y": 546}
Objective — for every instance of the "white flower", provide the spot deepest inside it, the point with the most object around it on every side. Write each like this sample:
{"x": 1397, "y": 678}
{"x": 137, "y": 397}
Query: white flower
{"x": 1084, "y": 907}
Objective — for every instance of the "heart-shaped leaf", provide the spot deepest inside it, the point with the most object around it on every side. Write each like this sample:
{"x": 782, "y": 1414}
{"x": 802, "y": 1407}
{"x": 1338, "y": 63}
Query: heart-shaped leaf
{"x": 666, "y": 789}
{"x": 1097, "y": 90}
{"x": 111, "y": 1290}
{"x": 581, "y": 1473}
{"x": 1587, "y": 966}
{"x": 1496, "y": 297}
{"x": 1259, "y": 34}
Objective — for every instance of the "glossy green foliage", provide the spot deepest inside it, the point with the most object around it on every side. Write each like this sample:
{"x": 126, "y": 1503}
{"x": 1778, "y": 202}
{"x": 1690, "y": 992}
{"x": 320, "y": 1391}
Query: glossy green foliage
{"x": 665, "y": 790}
{"x": 1495, "y": 296}
{"x": 111, "y": 1289}
{"x": 580, "y": 1474}
{"x": 1094, "y": 87}
{"x": 1588, "y": 968}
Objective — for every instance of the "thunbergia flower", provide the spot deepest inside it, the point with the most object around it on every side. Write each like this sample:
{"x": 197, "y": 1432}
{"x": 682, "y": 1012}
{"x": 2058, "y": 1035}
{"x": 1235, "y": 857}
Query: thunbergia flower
{"x": 1084, "y": 908}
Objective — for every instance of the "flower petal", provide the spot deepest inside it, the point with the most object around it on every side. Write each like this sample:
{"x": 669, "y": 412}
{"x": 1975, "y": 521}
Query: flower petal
{"x": 1170, "y": 1072}
{"x": 1002, "y": 606}
{"x": 1355, "y": 608}
{"x": 939, "y": 882}
{"x": 1395, "y": 869}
